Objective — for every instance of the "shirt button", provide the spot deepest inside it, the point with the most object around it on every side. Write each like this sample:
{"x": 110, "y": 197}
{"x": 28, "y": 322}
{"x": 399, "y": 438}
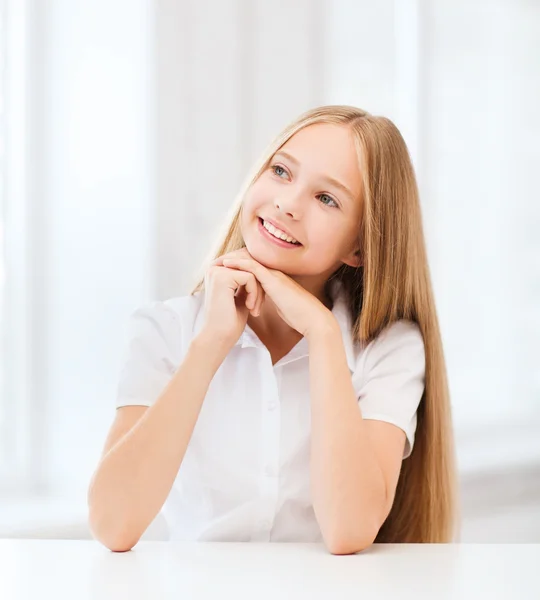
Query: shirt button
{"x": 272, "y": 405}
{"x": 269, "y": 472}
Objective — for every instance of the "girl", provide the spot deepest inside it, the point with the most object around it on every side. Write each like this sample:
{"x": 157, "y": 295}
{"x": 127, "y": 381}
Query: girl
{"x": 279, "y": 400}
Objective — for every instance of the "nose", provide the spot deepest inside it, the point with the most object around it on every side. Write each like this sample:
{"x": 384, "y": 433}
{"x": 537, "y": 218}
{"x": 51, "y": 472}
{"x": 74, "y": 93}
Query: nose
{"x": 288, "y": 204}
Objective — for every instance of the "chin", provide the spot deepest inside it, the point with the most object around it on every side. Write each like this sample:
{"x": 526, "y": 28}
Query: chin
{"x": 259, "y": 257}
{"x": 262, "y": 257}
{"x": 263, "y": 254}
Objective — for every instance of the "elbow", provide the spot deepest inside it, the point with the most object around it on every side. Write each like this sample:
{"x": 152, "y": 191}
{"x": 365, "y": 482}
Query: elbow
{"x": 115, "y": 539}
{"x": 353, "y": 534}
{"x": 340, "y": 547}
{"x": 348, "y": 542}
{"x": 119, "y": 541}
{"x": 119, "y": 545}
{"x": 108, "y": 529}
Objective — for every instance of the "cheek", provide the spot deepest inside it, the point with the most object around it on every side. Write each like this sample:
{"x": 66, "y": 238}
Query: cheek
{"x": 248, "y": 219}
{"x": 254, "y": 199}
{"x": 328, "y": 237}
{"x": 250, "y": 209}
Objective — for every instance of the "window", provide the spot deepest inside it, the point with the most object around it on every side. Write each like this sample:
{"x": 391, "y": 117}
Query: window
{"x": 3, "y": 423}
{"x": 17, "y": 461}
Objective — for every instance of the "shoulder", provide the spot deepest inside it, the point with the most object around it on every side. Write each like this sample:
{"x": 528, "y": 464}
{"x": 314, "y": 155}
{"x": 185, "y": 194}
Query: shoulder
{"x": 390, "y": 377}
{"x": 184, "y": 309}
{"x": 171, "y": 320}
{"x": 399, "y": 346}
{"x": 399, "y": 334}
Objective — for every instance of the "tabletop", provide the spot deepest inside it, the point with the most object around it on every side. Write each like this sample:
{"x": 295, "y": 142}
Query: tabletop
{"x": 62, "y": 569}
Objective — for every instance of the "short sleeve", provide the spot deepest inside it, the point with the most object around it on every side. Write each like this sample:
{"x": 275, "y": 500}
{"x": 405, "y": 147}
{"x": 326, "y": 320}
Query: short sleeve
{"x": 150, "y": 356}
{"x": 390, "y": 378}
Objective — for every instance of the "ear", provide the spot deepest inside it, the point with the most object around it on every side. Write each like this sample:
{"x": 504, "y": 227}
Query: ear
{"x": 354, "y": 259}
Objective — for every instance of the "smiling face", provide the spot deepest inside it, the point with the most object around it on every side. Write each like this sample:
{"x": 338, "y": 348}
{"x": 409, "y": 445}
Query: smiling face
{"x": 310, "y": 190}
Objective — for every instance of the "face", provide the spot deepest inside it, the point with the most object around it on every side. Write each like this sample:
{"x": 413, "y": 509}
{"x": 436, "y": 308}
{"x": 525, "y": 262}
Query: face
{"x": 310, "y": 191}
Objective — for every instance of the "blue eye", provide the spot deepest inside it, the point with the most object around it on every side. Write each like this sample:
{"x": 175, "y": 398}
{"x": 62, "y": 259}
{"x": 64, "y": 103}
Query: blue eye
{"x": 336, "y": 205}
{"x": 274, "y": 167}
{"x": 329, "y": 197}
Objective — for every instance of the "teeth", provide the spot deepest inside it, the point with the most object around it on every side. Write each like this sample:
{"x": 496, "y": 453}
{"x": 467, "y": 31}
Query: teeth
{"x": 278, "y": 233}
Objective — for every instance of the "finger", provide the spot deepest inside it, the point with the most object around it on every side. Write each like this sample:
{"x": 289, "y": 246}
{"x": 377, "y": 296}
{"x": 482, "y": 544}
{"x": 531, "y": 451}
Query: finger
{"x": 262, "y": 275}
{"x": 253, "y": 308}
{"x": 218, "y": 262}
{"x": 254, "y": 293}
{"x": 256, "y": 310}
{"x": 240, "y": 253}
{"x": 249, "y": 281}
{"x": 251, "y": 266}
{"x": 223, "y": 274}
{"x": 262, "y": 298}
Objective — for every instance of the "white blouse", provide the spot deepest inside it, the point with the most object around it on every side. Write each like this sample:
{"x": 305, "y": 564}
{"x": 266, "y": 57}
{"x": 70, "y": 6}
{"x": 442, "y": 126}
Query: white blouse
{"x": 245, "y": 475}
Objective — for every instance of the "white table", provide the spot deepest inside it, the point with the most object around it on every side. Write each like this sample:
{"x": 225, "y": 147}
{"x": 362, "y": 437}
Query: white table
{"x": 65, "y": 569}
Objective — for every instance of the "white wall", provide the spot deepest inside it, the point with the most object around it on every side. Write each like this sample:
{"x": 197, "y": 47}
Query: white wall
{"x": 228, "y": 76}
{"x": 483, "y": 123}
{"x": 99, "y": 223}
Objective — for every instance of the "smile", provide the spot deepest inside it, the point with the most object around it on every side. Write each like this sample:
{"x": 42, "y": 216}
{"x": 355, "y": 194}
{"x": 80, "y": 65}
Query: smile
{"x": 276, "y": 236}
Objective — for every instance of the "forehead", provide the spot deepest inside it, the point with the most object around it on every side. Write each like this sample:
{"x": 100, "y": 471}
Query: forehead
{"x": 326, "y": 149}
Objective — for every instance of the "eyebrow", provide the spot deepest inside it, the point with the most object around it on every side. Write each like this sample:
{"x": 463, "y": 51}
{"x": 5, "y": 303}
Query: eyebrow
{"x": 329, "y": 179}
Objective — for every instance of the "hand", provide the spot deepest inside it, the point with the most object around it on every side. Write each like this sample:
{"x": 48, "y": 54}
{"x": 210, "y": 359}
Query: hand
{"x": 300, "y": 309}
{"x": 230, "y": 295}
{"x": 243, "y": 253}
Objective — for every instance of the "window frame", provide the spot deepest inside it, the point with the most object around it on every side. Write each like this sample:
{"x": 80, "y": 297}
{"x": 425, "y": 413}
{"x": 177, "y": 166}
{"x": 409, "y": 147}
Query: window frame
{"x": 22, "y": 420}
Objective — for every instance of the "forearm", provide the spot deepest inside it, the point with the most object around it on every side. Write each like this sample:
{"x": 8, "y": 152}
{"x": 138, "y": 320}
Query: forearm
{"x": 135, "y": 477}
{"x": 348, "y": 487}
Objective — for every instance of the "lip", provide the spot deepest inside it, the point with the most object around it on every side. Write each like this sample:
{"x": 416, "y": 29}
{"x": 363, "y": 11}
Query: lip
{"x": 265, "y": 233}
{"x": 280, "y": 227}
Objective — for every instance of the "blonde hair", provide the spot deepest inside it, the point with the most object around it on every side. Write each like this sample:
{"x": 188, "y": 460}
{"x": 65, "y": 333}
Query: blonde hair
{"x": 393, "y": 283}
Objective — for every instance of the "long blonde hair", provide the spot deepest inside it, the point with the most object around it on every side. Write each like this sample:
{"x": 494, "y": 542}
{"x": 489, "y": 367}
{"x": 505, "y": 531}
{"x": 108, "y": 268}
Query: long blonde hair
{"x": 393, "y": 283}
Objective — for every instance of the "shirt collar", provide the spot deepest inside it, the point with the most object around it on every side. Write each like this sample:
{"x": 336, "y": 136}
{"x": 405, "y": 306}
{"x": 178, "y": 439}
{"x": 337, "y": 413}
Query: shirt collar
{"x": 249, "y": 339}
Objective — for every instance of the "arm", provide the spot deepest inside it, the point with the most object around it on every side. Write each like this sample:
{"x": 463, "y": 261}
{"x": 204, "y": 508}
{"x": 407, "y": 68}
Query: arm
{"x": 355, "y": 463}
{"x": 136, "y": 474}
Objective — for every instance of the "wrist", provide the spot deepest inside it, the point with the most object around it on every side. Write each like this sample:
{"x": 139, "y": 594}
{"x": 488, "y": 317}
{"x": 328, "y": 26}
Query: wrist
{"x": 212, "y": 343}
{"x": 326, "y": 326}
